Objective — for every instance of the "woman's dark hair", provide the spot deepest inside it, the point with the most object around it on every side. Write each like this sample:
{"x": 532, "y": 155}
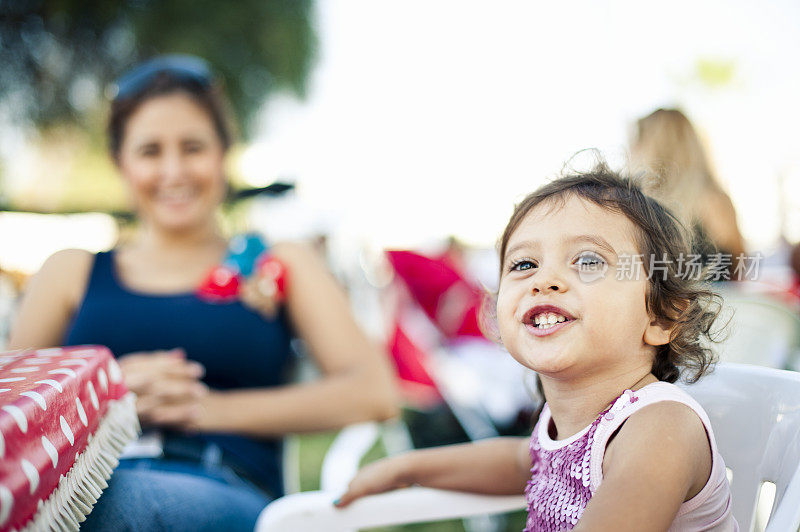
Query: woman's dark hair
{"x": 207, "y": 96}
{"x": 676, "y": 299}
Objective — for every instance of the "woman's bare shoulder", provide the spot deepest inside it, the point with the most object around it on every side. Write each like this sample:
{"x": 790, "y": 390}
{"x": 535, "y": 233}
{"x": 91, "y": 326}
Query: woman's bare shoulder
{"x": 293, "y": 249}
{"x": 69, "y": 263}
{"x": 72, "y": 257}
{"x": 50, "y": 299}
{"x": 300, "y": 257}
{"x": 69, "y": 269}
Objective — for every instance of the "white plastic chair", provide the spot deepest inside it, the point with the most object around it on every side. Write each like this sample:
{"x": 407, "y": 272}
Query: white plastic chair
{"x": 349, "y": 446}
{"x": 313, "y": 510}
{"x": 762, "y": 331}
{"x": 755, "y": 413}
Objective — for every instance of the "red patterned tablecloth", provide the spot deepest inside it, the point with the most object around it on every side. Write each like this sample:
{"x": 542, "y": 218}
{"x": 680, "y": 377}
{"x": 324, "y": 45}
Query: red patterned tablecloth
{"x": 65, "y": 416}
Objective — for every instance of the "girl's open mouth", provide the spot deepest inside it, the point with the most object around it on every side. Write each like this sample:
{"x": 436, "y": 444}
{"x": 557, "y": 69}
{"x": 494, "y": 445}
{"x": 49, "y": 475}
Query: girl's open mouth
{"x": 544, "y": 331}
{"x": 543, "y": 320}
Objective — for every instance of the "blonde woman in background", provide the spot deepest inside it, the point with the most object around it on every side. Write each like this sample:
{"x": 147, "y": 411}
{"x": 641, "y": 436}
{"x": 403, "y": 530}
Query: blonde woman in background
{"x": 666, "y": 144}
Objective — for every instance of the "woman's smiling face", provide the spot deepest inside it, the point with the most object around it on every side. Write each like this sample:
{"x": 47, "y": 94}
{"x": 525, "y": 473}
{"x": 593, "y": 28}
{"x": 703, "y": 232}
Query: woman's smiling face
{"x": 172, "y": 159}
{"x": 562, "y": 308}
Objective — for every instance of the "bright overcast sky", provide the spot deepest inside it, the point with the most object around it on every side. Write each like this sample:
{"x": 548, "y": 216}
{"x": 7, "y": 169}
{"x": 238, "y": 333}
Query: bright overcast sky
{"x": 432, "y": 118}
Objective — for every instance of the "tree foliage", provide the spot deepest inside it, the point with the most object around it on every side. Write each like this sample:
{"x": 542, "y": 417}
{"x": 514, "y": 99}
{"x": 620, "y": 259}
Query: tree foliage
{"x": 58, "y": 56}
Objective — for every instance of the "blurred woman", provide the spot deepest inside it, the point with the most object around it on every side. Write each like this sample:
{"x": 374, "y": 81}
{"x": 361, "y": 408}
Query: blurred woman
{"x": 209, "y": 376}
{"x": 666, "y": 144}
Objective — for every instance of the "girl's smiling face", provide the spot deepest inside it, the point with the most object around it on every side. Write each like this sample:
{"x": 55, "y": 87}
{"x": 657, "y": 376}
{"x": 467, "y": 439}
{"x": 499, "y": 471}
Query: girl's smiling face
{"x": 561, "y": 308}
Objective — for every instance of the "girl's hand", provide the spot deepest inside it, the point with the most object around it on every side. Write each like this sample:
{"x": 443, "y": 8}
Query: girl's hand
{"x": 377, "y": 477}
{"x": 259, "y": 294}
{"x": 167, "y": 386}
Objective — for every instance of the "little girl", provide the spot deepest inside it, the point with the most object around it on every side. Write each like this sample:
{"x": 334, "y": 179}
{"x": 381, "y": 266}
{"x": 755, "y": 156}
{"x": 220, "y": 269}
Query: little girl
{"x": 593, "y": 298}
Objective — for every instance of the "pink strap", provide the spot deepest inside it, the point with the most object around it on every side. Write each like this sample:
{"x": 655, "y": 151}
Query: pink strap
{"x": 629, "y": 404}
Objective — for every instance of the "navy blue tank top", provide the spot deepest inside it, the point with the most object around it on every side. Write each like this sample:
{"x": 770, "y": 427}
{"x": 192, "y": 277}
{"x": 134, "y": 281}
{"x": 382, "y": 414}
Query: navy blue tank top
{"x": 237, "y": 346}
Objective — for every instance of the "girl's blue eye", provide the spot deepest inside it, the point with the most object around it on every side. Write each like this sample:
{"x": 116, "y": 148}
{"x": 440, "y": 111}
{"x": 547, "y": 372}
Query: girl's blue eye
{"x": 522, "y": 265}
{"x": 589, "y": 260}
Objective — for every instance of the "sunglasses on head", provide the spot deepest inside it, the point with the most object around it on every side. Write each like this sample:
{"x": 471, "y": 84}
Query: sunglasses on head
{"x": 186, "y": 68}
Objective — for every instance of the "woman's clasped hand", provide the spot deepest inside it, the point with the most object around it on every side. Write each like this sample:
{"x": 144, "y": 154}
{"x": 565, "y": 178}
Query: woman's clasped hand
{"x": 168, "y": 387}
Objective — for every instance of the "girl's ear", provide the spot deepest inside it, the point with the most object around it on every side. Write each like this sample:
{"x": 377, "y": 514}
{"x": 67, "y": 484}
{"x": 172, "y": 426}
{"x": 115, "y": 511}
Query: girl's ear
{"x": 658, "y": 332}
{"x": 487, "y": 317}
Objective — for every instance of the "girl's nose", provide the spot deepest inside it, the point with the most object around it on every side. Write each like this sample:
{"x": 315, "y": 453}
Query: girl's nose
{"x": 547, "y": 281}
{"x": 547, "y": 289}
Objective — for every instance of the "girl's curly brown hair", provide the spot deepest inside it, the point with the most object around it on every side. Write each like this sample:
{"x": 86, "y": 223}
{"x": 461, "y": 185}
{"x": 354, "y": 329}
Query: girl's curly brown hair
{"x": 684, "y": 302}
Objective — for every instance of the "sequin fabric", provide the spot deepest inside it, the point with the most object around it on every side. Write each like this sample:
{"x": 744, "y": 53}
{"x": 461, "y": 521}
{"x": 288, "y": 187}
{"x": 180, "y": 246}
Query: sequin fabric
{"x": 558, "y": 490}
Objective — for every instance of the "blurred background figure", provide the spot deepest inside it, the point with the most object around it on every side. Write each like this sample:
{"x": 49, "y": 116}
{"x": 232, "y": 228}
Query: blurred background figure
{"x": 445, "y": 363}
{"x": 211, "y": 376}
{"x": 765, "y": 328}
{"x": 668, "y": 146}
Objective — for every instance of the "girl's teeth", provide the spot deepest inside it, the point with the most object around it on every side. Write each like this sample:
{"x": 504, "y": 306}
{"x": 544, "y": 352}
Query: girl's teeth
{"x": 548, "y": 319}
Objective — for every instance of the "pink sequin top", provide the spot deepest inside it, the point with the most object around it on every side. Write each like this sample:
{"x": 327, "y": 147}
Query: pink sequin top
{"x": 566, "y": 473}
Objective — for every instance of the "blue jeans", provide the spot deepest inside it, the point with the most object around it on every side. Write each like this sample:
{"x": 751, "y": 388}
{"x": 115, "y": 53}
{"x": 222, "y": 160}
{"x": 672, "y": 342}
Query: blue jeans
{"x": 147, "y": 494}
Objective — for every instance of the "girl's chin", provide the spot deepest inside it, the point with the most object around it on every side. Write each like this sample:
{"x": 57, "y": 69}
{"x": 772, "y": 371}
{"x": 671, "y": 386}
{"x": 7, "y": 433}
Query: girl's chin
{"x": 547, "y": 362}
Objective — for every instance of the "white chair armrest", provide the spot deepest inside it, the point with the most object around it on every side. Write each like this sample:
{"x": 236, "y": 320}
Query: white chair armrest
{"x": 787, "y": 515}
{"x": 345, "y": 453}
{"x": 314, "y": 510}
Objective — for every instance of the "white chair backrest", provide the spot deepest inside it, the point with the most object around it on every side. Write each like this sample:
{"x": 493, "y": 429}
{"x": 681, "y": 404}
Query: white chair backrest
{"x": 761, "y": 331}
{"x": 755, "y": 414}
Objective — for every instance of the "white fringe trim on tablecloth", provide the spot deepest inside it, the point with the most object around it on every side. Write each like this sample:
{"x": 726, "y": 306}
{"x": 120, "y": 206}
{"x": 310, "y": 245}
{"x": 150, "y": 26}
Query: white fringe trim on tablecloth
{"x": 78, "y": 490}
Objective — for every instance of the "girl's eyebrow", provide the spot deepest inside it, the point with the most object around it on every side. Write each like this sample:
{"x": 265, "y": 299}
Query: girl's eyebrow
{"x": 521, "y": 245}
{"x": 597, "y": 240}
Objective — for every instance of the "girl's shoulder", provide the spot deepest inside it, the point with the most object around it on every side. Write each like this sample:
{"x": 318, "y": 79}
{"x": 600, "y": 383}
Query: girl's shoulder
{"x": 657, "y": 424}
{"x": 660, "y": 391}
{"x": 660, "y": 407}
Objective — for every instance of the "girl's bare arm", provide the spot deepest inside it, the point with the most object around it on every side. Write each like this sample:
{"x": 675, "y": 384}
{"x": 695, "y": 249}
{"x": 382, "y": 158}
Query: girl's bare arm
{"x": 497, "y": 466}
